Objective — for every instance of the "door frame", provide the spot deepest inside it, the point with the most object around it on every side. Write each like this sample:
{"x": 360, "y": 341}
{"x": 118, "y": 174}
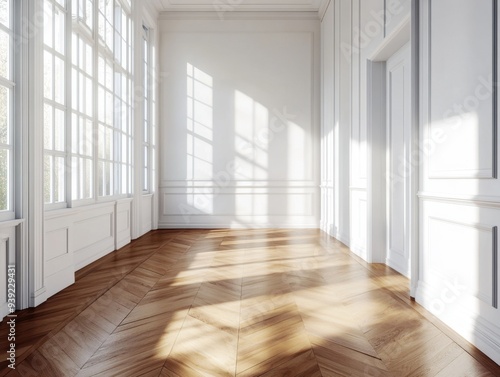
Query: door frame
{"x": 377, "y": 144}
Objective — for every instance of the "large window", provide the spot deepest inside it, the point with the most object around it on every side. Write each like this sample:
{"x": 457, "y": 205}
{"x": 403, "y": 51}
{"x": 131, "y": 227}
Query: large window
{"x": 6, "y": 109}
{"x": 82, "y": 117}
{"x": 149, "y": 126}
{"x": 115, "y": 98}
{"x": 88, "y": 130}
{"x": 54, "y": 84}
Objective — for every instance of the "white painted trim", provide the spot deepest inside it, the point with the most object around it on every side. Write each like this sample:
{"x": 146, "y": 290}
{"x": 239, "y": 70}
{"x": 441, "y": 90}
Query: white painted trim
{"x": 323, "y": 8}
{"x": 73, "y": 211}
{"x": 480, "y": 332}
{"x": 393, "y": 42}
{"x": 414, "y": 147}
{"x": 229, "y": 225}
{"x": 11, "y": 223}
{"x": 35, "y": 157}
{"x": 238, "y": 184}
{"x": 476, "y": 200}
{"x": 239, "y": 15}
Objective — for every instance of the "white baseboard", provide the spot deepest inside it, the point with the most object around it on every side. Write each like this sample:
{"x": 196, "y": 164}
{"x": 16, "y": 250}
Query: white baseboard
{"x": 481, "y": 333}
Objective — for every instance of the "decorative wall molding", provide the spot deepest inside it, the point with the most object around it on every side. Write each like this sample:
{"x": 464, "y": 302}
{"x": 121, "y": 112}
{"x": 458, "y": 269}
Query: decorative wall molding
{"x": 238, "y": 15}
{"x": 475, "y": 200}
{"x": 75, "y": 237}
{"x": 488, "y": 171}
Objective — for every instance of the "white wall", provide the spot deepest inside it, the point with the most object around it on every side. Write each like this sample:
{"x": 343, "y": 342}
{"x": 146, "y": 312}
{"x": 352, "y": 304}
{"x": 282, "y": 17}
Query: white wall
{"x": 352, "y": 34}
{"x": 459, "y": 214}
{"x": 240, "y": 120}
{"x": 460, "y": 204}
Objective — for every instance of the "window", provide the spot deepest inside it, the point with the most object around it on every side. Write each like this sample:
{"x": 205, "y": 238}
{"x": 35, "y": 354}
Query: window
{"x": 149, "y": 126}
{"x": 88, "y": 125}
{"x": 6, "y": 110}
{"x": 115, "y": 99}
{"x": 54, "y": 84}
{"x": 82, "y": 118}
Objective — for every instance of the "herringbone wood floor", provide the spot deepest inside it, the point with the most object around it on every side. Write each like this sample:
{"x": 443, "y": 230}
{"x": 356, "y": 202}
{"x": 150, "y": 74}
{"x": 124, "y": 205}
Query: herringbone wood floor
{"x": 237, "y": 303}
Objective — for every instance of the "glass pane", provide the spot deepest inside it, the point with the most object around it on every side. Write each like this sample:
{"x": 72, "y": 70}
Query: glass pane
{"x": 59, "y": 130}
{"x": 100, "y": 70}
{"x": 60, "y": 31}
{"x": 47, "y": 75}
{"x": 47, "y": 129}
{"x": 109, "y": 108}
{"x": 81, "y": 92}
{"x": 109, "y": 76}
{"x": 59, "y": 189}
{"x": 81, "y": 136}
{"x": 5, "y": 12}
{"x": 101, "y": 26}
{"x": 47, "y": 23}
{"x": 124, "y": 149}
{"x": 4, "y": 54}
{"x": 102, "y": 140}
{"x": 62, "y": 3}
{"x": 89, "y": 101}
{"x": 59, "y": 81}
{"x": 124, "y": 174}
{"x": 74, "y": 49}
{"x": 74, "y": 87}
{"x": 81, "y": 54}
{"x": 100, "y": 178}
{"x": 100, "y": 108}
{"x": 75, "y": 169}
{"x": 124, "y": 22}
{"x": 88, "y": 13}
{"x": 109, "y": 36}
{"x": 89, "y": 138}
{"x": 4, "y": 114}
{"x": 108, "y": 147}
{"x": 4, "y": 179}
{"x": 47, "y": 179}
{"x": 74, "y": 133}
{"x": 88, "y": 179}
{"x": 89, "y": 60}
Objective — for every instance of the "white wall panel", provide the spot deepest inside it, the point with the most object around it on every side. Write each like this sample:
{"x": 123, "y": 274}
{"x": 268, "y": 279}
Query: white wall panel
{"x": 459, "y": 190}
{"x": 460, "y": 58}
{"x": 241, "y": 107}
{"x": 146, "y": 213}
{"x": 8, "y": 257}
{"x": 76, "y": 237}
{"x": 123, "y": 222}
{"x": 459, "y": 269}
{"x": 5, "y": 260}
{"x": 328, "y": 150}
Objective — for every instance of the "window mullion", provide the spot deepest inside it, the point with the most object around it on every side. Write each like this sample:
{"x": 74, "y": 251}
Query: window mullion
{"x": 95, "y": 88}
{"x": 69, "y": 111}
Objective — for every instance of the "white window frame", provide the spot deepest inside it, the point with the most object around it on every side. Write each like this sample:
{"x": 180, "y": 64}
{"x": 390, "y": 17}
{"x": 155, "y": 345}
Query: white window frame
{"x": 52, "y": 102}
{"x": 148, "y": 147}
{"x": 10, "y": 84}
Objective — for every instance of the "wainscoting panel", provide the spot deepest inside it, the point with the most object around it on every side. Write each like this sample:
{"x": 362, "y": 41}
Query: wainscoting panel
{"x": 76, "y": 237}
{"x": 459, "y": 269}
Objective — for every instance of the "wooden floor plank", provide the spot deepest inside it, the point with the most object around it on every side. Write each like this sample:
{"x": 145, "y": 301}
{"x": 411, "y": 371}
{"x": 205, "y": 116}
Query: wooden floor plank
{"x": 263, "y": 302}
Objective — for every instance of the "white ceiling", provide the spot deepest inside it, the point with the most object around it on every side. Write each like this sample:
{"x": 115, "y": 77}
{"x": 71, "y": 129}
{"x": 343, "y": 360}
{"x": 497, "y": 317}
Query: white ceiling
{"x": 239, "y": 5}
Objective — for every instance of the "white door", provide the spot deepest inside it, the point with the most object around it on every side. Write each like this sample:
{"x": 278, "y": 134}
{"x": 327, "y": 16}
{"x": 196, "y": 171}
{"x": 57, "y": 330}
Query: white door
{"x": 398, "y": 145}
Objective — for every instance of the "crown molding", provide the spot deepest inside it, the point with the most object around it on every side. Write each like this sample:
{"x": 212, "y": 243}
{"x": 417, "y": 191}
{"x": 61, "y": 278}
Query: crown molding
{"x": 238, "y": 15}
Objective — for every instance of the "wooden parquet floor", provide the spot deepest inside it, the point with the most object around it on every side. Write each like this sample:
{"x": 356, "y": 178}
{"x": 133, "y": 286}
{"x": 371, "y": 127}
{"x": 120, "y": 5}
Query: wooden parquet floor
{"x": 237, "y": 303}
